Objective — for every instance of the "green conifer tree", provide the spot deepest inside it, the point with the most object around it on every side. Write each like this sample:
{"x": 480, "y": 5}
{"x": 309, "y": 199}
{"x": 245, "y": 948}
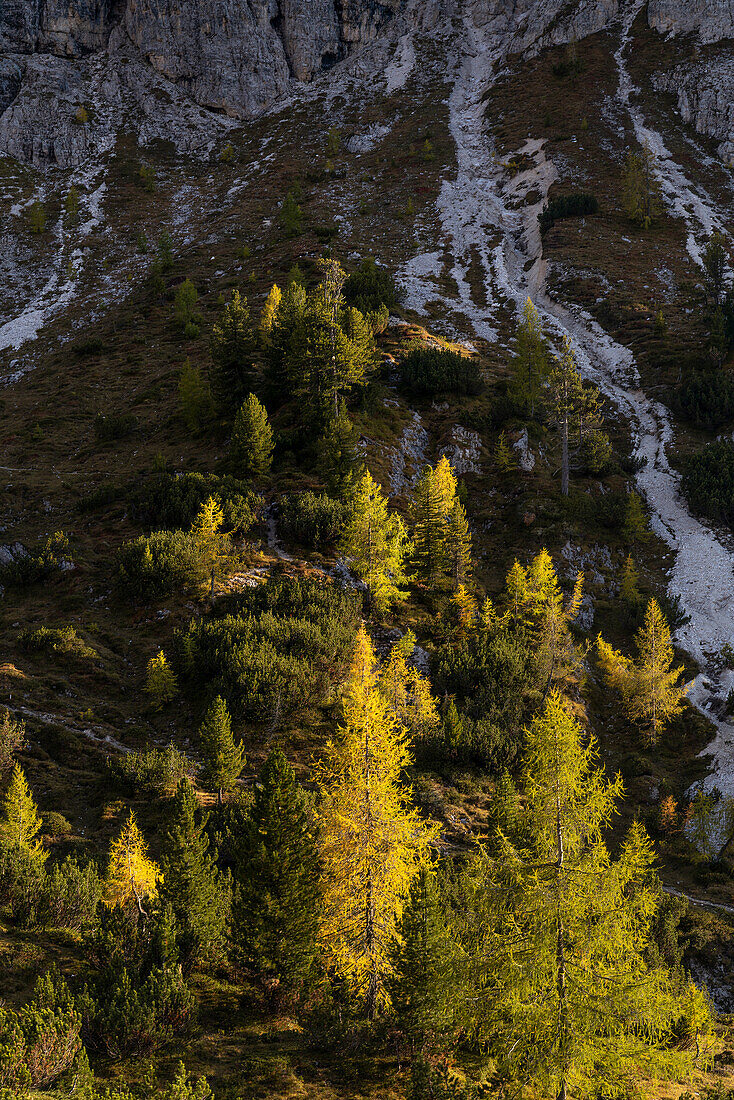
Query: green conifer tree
{"x": 251, "y": 442}
{"x": 562, "y": 988}
{"x": 195, "y": 396}
{"x": 634, "y": 523}
{"x": 276, "y": 905}
{"x": 225, "y": 760}
{"x": 431, "y": 502}
{"x": 422, "y": 986}
{"x": 291, "y": 216}
{"x": 531, "y": 365}
{"x": 71, "y": 203}
{"x": 192, "y": 883}
{"x": 231, "y": 348}
{"x": 576, "y": 411}
{"x": 340, "y": 460}
{"x": 458, "y": 545}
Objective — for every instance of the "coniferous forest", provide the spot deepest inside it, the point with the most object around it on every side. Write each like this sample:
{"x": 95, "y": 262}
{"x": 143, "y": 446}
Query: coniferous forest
{"x": 366, "y": 577}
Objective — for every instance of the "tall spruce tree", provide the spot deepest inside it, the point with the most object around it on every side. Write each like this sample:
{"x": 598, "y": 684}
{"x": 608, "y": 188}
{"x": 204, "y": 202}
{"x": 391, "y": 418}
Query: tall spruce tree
{"x": 225, "y": 760}
{"x": 558, "y": 935}
{"x": 373, "y": 842}
{"x": 422, "y": 988}
{"x": 192, "y": 884}
{"x": 232, "y": 345}
{"x": 575, "y": 409}
{"x": 286, "y": 324}
{"x": 458, "y": 545}
{"x": 531, "y": 365}
{"x": 251, "y": 442}
{"x": 432, "y": 499}
{"x": 339, "y": 458}
{"x": 276, "y": 900}
{"x": 374, "y": 544}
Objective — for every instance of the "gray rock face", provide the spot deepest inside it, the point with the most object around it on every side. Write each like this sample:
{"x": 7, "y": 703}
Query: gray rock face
{"x": 705, "y": 95}
{"x": 237, "y": 56}
{"x": 710, "y": 20}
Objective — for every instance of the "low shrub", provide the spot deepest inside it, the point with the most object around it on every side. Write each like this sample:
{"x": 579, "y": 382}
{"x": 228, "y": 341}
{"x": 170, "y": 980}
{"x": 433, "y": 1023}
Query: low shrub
{"x": 312, "y": 519}
{"x": 371, "y": 287}
{"x": 708, "y": 481}
{"x": 705, "y": 399}
{"x": 576, "y": 205}
{"x": 174, "y": 500}
{"x": 63, "y": 640}
{"x": 109, "y": 428}
{"x": 159, "y": 564}
{"x": 427, "y": 371}
{"x": 154, "y": 771}
{"x": 492, "y": 680}
{"x": 30, "y": 566}
{"x": 288, "y": 643}
{"x": 137, "y": 999}
{"x": 41, "y": 1040}
{"x": 70, "y": 895}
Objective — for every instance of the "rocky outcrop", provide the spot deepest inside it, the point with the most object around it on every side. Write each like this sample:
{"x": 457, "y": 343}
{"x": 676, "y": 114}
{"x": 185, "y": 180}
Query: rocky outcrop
{"x": 709, "y": 20}
{"x": 237, "y": 56}
{"x": 705, "y": 97}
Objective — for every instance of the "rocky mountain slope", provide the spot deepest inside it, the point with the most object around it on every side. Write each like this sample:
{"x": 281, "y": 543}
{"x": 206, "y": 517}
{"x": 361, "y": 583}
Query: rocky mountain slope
{"x": 452, "y": 123}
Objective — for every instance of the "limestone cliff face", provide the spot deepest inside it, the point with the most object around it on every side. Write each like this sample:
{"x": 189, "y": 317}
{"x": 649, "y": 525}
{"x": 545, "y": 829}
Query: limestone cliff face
{"x": 709, "y": 20}
{"x": 705, "y": 95}
{"x": 237, "y": 56}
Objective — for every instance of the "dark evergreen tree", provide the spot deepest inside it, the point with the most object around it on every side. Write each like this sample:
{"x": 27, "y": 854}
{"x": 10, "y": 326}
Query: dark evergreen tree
{"x": 339, "y": 459}
{"x": 232, "y": 345}
{"x": 458, "y": 545}
{"x": 423, "y": 989}
{"x": 276, "y": 898}
{"x": 251, "y": 444}
{"x": 224, "y": 759}
{"x": 197, "y": 892}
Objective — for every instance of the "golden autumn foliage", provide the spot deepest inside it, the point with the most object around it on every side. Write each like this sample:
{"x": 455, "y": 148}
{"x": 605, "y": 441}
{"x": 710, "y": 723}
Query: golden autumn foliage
{"x": 407, "y": 692}
{"x": 649, "y": 687}
{"x": 373, "y": 842}
{"x": 20, "y": 822}
{"x": 131, "y": 876}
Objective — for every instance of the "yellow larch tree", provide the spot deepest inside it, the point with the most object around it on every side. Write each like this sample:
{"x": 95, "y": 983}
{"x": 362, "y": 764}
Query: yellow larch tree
{"x": 535, "y": 603}
{"x": 269, "y": 313}
{"x": 20, "y": 822}
{"x": 131, "y": 876}
{"x": 373, "y": 842}
{"x": 211, "y": 543}
{"x": 407, "y": 692}
{"x": 650, "y": 688}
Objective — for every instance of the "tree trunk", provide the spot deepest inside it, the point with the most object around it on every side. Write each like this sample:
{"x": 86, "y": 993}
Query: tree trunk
{"x": 219, "y": 797}
{"x": 565, "y": 461}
